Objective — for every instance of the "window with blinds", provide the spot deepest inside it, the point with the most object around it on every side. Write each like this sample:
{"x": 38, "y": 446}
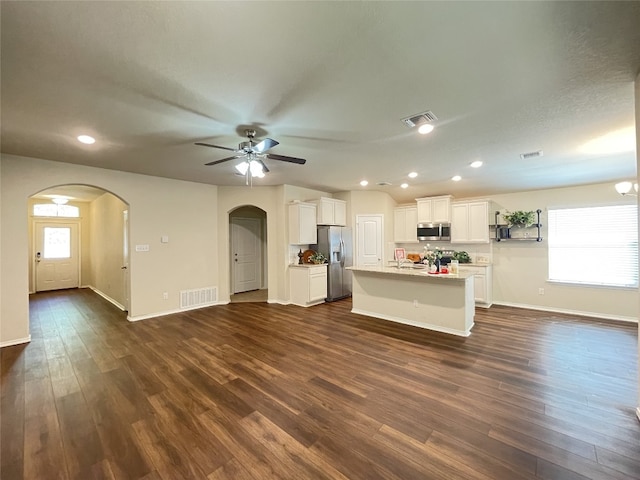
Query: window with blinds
{"x": 594, "y": 245}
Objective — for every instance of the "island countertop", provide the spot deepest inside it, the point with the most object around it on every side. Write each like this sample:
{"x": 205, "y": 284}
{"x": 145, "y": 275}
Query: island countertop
{"x": 413, "y": 271}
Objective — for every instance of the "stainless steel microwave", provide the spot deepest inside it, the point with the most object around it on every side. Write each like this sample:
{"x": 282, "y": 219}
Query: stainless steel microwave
{"x": 434, "y": 232}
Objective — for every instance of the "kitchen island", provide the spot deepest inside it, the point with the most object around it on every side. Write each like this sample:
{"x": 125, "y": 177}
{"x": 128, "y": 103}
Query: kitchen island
{"x": 412, "y": 296}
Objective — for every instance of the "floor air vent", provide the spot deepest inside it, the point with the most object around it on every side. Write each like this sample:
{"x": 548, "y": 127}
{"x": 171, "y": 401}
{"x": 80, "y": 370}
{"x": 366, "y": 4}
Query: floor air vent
{"x": 198, "y": 297}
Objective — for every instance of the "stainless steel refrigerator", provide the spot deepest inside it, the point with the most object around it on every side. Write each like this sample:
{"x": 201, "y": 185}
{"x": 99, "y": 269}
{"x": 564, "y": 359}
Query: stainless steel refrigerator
{"x": 336, "y": 244}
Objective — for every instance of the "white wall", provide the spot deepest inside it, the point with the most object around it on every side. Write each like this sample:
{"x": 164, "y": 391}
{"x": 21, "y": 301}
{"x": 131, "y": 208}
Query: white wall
{"x": 185, "y": 211}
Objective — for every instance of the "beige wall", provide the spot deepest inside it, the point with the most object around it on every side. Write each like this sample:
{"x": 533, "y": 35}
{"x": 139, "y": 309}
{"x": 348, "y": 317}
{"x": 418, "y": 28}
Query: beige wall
{"x": 361, "y": 202}
{"x": 106, "y": 233}
{"x": 637, "y": 110}
{"x": 521, "y": 268}
{"x": 185, "y": 211}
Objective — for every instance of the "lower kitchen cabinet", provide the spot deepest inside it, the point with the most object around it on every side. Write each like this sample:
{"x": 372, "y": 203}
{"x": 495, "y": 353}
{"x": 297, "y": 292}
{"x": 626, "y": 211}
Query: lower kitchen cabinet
{"x": 308, "y": 284}
{"x": 482, "y": 283}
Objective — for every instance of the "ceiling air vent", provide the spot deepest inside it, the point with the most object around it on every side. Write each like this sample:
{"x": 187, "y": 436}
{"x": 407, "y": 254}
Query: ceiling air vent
{"x": 419, "y": 119}
{"x": 384, "y": 184}
{"x": 526, "y": 156}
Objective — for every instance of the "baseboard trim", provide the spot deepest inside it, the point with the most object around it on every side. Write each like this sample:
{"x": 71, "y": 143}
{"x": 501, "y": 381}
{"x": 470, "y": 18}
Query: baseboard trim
{"x": 459, "y": 333}
{"x": 638, "y": 413}
{"x": 279, "y": 302}
{"x": 618, "y": 318}
{"x": 17, "y": 341}
{"x": 137, "y": 318}
{"x": 107, "y": 297}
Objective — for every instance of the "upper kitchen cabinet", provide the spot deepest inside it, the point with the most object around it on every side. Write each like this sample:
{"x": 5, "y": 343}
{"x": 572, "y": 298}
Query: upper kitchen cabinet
{"x": 470, "y": 222}
{"x": 302, "y": 224}
{"x": 434, "y": 209}
{"x": 405, "y": 220}
{"x": 331, "y": 211}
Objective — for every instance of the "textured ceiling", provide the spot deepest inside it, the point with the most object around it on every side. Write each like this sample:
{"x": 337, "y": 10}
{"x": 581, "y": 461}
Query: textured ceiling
{"x": 331, "y": 82}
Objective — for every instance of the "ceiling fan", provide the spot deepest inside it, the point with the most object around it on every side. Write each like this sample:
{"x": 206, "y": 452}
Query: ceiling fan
{"x": 254, "y": 154}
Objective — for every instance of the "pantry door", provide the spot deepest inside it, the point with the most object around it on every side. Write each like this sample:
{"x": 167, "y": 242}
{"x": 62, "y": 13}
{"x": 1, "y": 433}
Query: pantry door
{"x": 369, "y": 240}
{"x": 56, "y": 256}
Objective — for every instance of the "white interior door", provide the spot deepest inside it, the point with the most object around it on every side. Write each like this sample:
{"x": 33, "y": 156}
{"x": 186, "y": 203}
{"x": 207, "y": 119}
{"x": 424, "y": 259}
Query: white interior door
{"x": 56, "y": 258}
{"x": 369, "y": 241}
{"x": 246, "y": 253}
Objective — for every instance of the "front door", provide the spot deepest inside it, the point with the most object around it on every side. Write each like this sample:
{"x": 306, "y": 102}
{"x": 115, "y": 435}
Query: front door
{"x": 246, "y": 253}
{"x": 56, "y": 256}
{"x": 369, "y": 240}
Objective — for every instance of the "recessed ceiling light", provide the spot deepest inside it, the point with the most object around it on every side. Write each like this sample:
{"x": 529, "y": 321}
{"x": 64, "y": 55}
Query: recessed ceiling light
{"x": 425, "y": 128}
{"x": 404, "y": 185}
{"x": 86, "y": 139}
{"x": 364, "y": 183}
{"x": 413, "y": 175}
{"x": 476, "y": 164}
{"x": 456, "y": 178}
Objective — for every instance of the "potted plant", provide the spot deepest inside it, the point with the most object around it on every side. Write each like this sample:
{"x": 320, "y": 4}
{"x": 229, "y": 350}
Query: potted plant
{"x": 318, "y": 258}
{"x": 520, "y": 218}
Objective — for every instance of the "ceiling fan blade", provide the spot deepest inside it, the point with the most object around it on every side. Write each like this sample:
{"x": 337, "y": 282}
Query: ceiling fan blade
{"x": 264, "y": 167}
{"x": 284, "y": 158}
{"x": 215, "y": 146}
{"x": 265, "y": 145}
{"x": 215, "y": 162}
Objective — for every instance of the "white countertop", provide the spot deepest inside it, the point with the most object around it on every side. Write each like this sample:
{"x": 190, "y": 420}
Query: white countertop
{"x": 415, "y": 272}
{"x": 306, "y": 265}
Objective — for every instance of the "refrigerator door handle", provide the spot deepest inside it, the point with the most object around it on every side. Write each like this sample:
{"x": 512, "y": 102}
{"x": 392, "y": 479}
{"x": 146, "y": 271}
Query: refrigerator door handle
{"x": 342, "y": 252}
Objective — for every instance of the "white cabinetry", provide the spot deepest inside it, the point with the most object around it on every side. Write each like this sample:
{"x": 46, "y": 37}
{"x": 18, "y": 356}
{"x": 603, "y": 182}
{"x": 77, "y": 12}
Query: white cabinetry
{"x": 434, "y": 209}
{"x": 331, "y": 211}
{"x": 302, "y": 224}
{"x": 470, "y": 222}
{"x": 308, "y": 284}
{"x": 482, "y": 283}
{"x": 405, "y": 220}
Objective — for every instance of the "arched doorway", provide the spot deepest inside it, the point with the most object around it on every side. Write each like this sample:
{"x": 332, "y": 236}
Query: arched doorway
{"x": 79, "y": 238}
{"x": 248, "y": 254}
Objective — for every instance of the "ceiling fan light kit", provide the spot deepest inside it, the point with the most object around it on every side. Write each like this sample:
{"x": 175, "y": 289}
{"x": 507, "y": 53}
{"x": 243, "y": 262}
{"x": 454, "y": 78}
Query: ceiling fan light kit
{"x": 624, "y": 188}
{"x": 254, "y": 154}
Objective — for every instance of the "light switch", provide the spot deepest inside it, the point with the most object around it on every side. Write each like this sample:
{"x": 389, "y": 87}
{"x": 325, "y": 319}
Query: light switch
{"x": 164, "y": 239}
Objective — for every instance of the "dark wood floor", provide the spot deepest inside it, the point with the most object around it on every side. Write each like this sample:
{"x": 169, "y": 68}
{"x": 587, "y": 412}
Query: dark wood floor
{"x": 259, "y": 391}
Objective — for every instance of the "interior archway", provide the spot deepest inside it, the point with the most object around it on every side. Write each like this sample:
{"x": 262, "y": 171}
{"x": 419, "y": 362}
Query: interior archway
{"x": 248, "y": 260}
{"x": 101, "y": 233}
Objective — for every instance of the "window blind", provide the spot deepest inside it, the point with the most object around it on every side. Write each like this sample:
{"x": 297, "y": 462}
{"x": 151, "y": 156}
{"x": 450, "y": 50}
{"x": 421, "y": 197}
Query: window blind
{"x": 594, "y": 245}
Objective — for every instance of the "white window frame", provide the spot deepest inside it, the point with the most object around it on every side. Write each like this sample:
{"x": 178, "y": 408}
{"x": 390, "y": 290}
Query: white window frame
{"x": 593, "y": 246}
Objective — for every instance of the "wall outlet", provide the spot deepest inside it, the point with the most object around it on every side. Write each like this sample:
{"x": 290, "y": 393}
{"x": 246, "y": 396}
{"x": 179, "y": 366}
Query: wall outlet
{"x": 142, "y": 248}
{"x": 541, "y": 291}
{"x": 415, "y": 303}
{"x": 165, "y": 295}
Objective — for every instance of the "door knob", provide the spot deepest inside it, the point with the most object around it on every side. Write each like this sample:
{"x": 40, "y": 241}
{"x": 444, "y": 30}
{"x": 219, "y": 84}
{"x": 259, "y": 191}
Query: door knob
{"x": 123, "y": 268}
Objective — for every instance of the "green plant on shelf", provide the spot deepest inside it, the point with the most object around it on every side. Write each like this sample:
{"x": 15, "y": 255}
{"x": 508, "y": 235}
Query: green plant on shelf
{"x": 520, "y": 218}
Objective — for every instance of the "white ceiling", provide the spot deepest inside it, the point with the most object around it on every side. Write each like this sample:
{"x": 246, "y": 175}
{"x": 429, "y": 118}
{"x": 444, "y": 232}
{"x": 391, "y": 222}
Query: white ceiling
{"x": 331, "y": 82}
